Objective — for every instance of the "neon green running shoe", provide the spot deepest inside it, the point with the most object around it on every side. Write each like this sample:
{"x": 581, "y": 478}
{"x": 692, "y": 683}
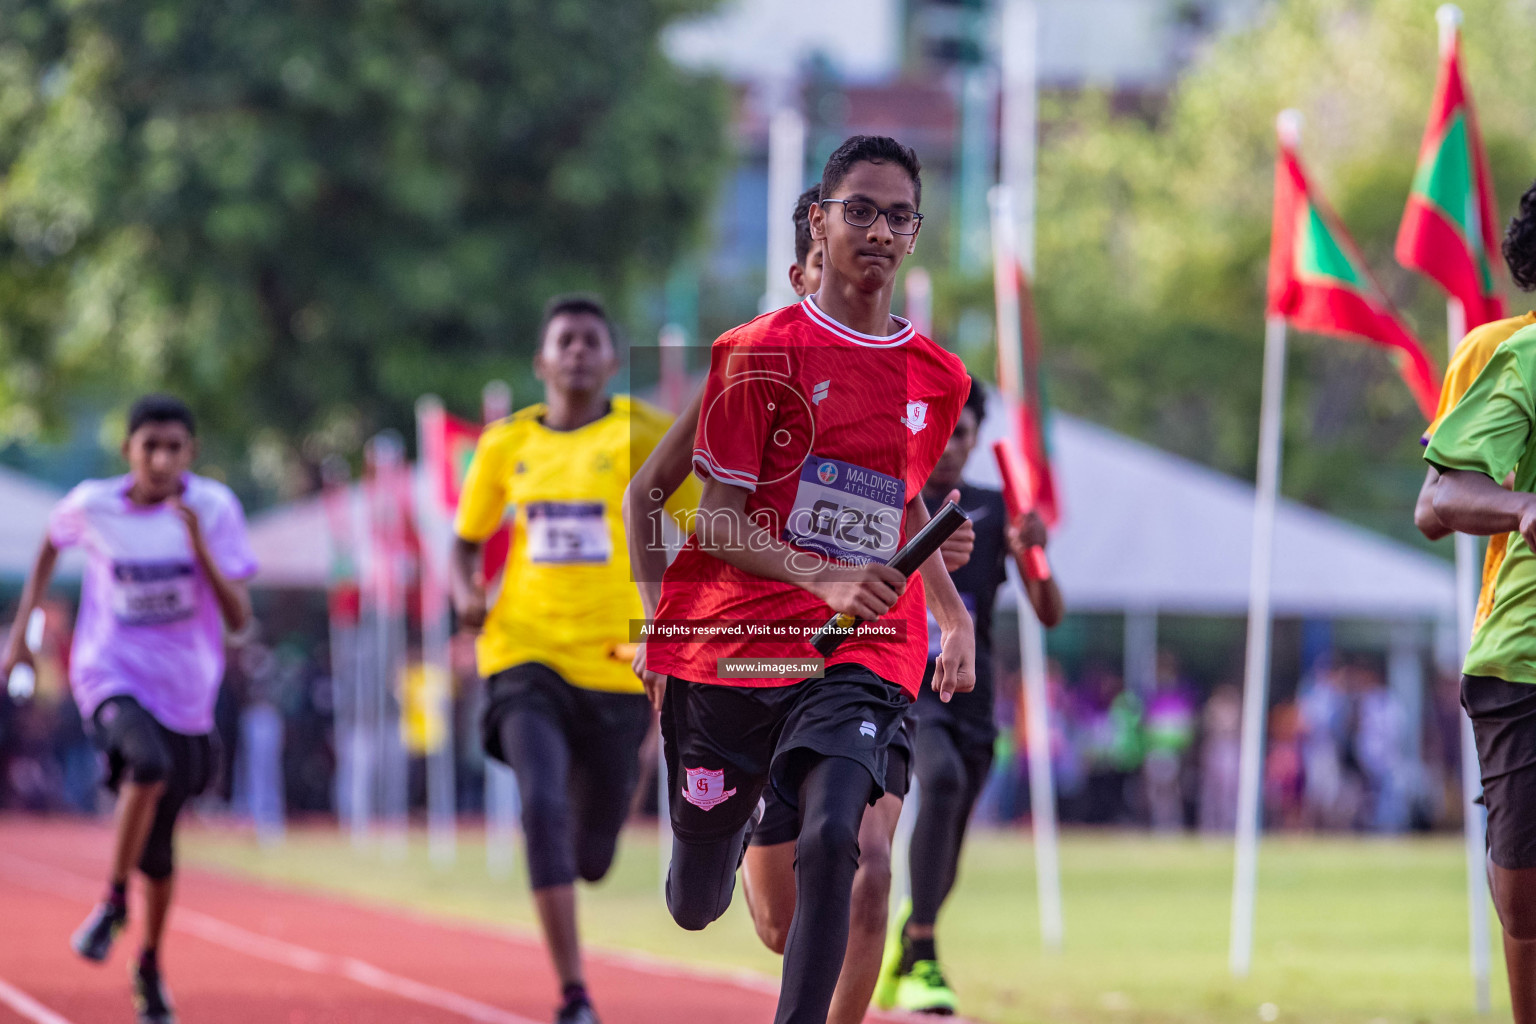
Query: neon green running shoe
{"x": 890, "y": 962}
{"x": 924, "y": 990}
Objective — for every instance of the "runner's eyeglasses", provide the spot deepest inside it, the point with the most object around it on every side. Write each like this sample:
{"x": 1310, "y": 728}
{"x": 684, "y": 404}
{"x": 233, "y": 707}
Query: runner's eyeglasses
{"x": 861, "y": 214}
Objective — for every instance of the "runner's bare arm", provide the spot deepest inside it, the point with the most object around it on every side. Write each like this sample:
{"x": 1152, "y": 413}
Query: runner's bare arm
{"x": 1044, "y": 595}
{"x": 723, "y": 529}
{"x": 466, "y": 581}
{"x": 232, "y": 595}
{"x": 955, "y": 671}
{"x": 1424, "y": 516}
{"x": 645, "y": 499}
{"x": 16, "y": 650}
{"x": 1470, "y": 502}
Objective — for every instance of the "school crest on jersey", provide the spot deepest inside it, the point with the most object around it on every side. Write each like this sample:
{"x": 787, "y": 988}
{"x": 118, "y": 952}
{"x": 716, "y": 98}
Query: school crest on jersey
{"x": 917, "y": 416}
{"x": 705, "y": 788}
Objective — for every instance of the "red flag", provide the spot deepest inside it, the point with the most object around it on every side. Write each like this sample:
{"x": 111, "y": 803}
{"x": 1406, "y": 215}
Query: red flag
{"x": 447, "y": 448}
{"x": 1019, "y": 498}
{"x": 1450, "y": 227}
{"x": 1318, "y": 280}
{"x": 1018, "y": 362}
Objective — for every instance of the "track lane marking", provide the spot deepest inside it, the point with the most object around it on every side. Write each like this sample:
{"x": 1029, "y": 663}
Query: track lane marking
{"x": 59, "y": 882}
{"x": 28, "y": 1007}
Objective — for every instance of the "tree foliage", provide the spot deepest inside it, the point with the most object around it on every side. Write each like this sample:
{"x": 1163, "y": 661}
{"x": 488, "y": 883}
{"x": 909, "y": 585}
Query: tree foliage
{"x": 1154, "y": 232}
{"x": 302, "y": 215}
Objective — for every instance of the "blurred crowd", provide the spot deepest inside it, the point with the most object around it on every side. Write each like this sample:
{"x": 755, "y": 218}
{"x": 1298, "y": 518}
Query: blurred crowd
{"x": 1344, "y": 751}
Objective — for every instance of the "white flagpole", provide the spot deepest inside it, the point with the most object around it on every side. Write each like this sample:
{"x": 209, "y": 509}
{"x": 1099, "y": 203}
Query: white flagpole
{"x": 501, "y": 795}
{"x": 1256, "y": 680}
{"x": 786, "y": 172}
{"x": 1475, "y": 818}
{"x": 437, "y": 662}
{"x": 1042, "y": 787}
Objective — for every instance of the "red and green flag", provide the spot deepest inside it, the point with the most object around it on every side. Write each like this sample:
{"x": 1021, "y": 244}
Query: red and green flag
{"x": 1449, "y": 230}
{"x": 1318, "y": 280}
{"x": 447, "y": 446}
{"x": 1020, "y": 378}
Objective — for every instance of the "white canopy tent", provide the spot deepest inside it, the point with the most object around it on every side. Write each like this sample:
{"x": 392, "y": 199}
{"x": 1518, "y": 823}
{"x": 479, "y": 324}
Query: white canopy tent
{"x": 1146, "y": 531}
{"x": 27, "y": 504}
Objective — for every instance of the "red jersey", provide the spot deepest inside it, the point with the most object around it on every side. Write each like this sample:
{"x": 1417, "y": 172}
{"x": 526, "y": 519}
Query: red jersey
{"x": 833, "y": 432}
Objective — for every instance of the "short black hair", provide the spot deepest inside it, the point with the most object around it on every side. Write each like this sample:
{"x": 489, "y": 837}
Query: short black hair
{"x": 976, "y": 401}
{"x": 160, "y": 409}
{"x": 576, "y": 304}
{"x": 1520, "y": 242}
{"x": 873, "y": 149}
{"x": 803, "y": 223}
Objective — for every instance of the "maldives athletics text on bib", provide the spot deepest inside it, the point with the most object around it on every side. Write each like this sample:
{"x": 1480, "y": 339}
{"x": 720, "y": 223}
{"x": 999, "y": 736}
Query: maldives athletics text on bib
{"x": 846, "y": 512}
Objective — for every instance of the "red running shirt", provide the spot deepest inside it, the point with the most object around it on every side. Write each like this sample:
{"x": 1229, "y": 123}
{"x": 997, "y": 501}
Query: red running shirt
{"x": 833, "y": 432}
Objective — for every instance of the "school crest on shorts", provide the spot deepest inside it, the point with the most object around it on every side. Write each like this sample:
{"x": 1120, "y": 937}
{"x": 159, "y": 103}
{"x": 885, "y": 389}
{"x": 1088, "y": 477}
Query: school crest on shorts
{"x": 917, "y": 416}
{"x": 705, "y": 788}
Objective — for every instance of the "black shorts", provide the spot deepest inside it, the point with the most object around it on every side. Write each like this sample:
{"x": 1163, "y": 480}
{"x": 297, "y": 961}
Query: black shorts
{"x": 725, "y": 743}
{"x": 1504, "y": 722}
{"x": 599, "y": 725}
{"x": 140, "y": 749}
{"x": 969, "y": 718}
{"x": 781, "y": 823}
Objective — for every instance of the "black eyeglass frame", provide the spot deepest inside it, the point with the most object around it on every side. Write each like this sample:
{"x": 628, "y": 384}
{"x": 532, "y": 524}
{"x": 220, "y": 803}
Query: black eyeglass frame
{"x": 917, "y": 218}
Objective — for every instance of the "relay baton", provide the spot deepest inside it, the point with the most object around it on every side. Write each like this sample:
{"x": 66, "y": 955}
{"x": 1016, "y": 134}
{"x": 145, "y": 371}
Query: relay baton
{"x": 1036, "y": 565}
{"x": 907, "y": 561}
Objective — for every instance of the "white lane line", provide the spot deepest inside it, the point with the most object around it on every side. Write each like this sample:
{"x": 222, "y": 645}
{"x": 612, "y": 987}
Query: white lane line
{"x": 28, "y": 1007}
{"x": 264, "y": 947}
{"x": 67, "y": 883}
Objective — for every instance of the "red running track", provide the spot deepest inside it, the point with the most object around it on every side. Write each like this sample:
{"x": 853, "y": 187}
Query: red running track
{"x": 248, "y": 953}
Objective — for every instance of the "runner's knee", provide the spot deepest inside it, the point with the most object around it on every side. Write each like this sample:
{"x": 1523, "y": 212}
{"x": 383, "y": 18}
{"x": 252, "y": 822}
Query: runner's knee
{"x": 1514, "y": 897}
{"x": 158, "y": 860}
{"x": 594, "y": 856}
{"x": 943, "y": 777}
{"x": 146, "y": 759}
{"x": 701, "y": 880}
{"x": 871, "y": 890}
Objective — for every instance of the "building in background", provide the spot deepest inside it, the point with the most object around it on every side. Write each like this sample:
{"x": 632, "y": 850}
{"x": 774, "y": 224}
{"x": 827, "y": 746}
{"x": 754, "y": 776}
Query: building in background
{"x": 920, "y": 70}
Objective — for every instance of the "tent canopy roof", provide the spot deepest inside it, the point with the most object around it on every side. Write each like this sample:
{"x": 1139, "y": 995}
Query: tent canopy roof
{"x": 1146, "y": 530}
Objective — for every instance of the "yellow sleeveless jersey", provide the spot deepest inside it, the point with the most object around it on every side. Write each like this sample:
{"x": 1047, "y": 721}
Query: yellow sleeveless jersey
{"x": 567, "y": 594}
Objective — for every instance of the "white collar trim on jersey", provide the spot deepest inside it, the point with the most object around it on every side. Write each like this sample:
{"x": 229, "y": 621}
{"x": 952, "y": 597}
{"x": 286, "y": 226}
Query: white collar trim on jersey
{"x": 901, "y": 337}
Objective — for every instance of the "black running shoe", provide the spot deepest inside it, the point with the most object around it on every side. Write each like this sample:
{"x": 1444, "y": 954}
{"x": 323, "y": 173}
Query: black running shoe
{"x": 149, "y": 996}
{"x": 93, "y": 939}
{"x": 578, "y": 1012}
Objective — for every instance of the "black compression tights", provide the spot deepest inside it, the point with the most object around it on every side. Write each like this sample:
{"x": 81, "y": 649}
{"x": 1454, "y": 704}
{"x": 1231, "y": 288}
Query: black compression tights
{"x": 947, "y": 790}
{"x": 833, "y": 796}
{"x": 571, "y": 817}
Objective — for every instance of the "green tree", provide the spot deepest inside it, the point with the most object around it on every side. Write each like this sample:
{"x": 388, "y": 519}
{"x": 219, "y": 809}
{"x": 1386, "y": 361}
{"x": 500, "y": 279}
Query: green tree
{"x": 1154, "y": 235}
{"x": 303, "y": 215}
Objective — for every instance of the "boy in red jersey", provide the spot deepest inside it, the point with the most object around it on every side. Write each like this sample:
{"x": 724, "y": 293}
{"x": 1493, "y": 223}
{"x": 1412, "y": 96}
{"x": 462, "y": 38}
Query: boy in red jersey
{"x": 820, "y": 424}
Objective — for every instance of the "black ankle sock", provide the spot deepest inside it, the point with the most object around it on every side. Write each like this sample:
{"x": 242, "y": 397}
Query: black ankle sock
{"x": 575, "y": 994}
{"x": 117, "y": 894}
{"x": 922, "y": 949}
{"x": 148, "y": 960}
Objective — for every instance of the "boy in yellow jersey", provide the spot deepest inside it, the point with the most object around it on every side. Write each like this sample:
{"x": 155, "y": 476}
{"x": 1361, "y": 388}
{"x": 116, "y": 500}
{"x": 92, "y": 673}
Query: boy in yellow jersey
{"x": 1466, "y": 363}
{"x": 562, "y": 711}
{"x": 1482, "y": 456}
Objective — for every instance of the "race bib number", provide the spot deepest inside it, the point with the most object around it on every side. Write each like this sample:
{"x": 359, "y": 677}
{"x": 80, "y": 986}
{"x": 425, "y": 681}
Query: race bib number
{"x": 568, "y": 532}
{"x": 153, "y": 593}
{"x": 846, "y": 512}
